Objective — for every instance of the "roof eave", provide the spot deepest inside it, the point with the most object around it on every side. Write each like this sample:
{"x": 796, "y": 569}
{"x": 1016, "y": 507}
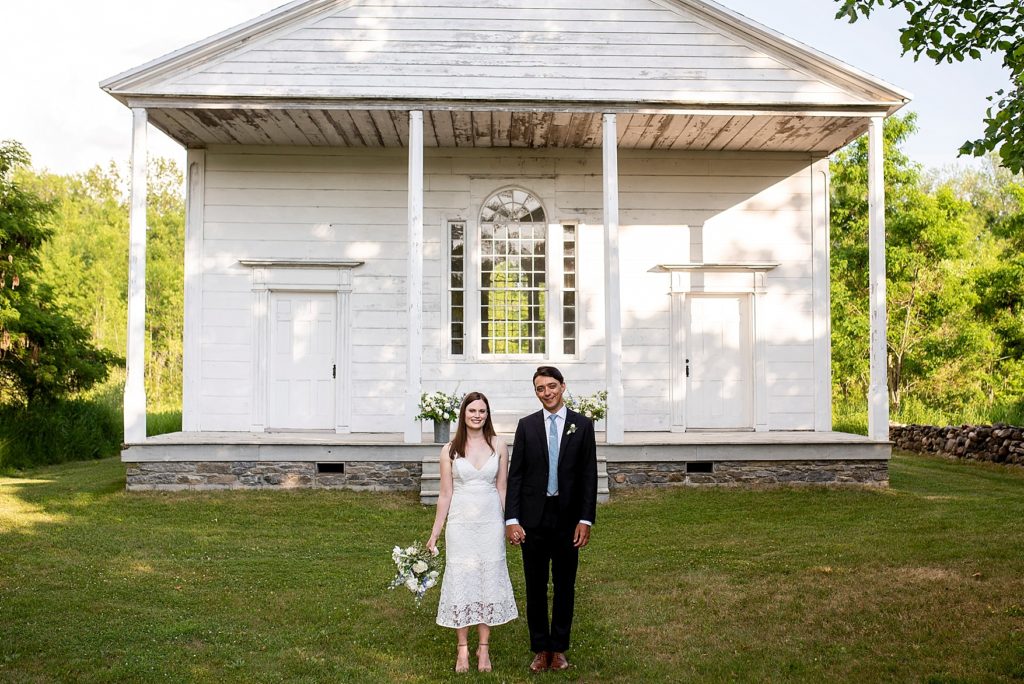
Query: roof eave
{"x": 267, "y": 101}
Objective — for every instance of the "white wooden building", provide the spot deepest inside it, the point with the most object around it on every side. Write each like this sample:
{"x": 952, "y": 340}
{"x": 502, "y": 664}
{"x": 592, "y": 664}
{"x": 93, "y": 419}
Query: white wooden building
{"x": 394, "y": 196}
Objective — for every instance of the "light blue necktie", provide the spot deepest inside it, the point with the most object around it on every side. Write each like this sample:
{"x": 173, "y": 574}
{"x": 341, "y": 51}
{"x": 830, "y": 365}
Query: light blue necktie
{"x": 553, "y": 457}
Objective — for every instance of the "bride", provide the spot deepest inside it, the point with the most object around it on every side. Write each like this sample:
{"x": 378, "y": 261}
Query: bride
{"x": 476, "y": 589}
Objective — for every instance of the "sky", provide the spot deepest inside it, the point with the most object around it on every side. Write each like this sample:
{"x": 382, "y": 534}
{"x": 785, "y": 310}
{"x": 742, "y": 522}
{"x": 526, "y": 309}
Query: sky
{"x": 51, "y": 101}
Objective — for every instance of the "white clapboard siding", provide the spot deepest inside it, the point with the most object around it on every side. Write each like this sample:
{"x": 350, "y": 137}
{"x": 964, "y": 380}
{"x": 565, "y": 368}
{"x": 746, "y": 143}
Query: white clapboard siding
{"x": 632, "y": 50}
{"x": 350, "y": 204}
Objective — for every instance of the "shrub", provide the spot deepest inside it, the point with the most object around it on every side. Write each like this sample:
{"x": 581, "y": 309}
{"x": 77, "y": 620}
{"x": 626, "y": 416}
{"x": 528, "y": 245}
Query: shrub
{"x": 58, "y": 431}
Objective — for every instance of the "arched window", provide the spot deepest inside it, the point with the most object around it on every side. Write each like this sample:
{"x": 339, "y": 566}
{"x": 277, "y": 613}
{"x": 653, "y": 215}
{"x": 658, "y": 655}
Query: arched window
{"x": 513, "y": 274}
{"x": 526, "y": 288}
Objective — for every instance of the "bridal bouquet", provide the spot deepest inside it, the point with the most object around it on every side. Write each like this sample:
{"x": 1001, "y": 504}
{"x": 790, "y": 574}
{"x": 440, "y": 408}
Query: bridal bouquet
{"x": 416, "y": 568}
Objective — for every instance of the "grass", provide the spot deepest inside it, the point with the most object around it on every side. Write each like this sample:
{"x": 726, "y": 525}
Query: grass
{"x": 163, "y": 421}
{"x": 852, "y": 415}
{"x": 921, "y": 582}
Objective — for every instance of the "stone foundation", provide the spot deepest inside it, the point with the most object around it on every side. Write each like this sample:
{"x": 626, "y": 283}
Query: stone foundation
{"x": 998, "y": 443}
{"x": 732, "y": 473}
{"x": 206, "y": 475}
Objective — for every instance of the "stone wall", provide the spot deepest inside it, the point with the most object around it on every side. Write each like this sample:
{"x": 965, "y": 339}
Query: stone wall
{"x": 653, "y": 474}
{"x": 405, "y": 476}
{"x": 998, "y": 443}
{"x": 193, "y": 475}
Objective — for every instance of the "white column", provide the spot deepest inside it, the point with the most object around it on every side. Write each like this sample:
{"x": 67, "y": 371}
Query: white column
{"x": 135, "y": 385}
{"x": 821, "y": 305}
{"x": 192, "y": 363}
{"x": 758, "y": 312}
{"x": 878, "y": 393}
{"x": 414, "y": 280}
{"x": 615, "y": 423}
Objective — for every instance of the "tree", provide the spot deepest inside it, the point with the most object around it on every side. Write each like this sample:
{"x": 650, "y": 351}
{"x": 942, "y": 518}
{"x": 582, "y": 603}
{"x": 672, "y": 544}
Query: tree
{"x": 44, "y": 353}
{"x": 947, "y": 30}
{"x": 999, "y": 285}
{"x": 938, "y": 352}
{"x": 85, "y": 263}
{"x": 165, "y": 283}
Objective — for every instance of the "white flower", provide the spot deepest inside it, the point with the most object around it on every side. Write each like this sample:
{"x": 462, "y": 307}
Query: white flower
{"x": 439, "y": 406}
{"x": 415, "y": 568}
{"x": 435, "y": 551}
{"x": 594, "y": 407}
{"x": 572, "y": 428}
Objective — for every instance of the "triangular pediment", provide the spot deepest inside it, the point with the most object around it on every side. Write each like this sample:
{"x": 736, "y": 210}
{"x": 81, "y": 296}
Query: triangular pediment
{"x": 683, "y": 52}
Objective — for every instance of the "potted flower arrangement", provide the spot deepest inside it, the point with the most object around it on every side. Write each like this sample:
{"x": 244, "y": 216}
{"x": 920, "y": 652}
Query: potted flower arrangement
{"x": 443, "y": 409}
{"x": 594, "y": 406}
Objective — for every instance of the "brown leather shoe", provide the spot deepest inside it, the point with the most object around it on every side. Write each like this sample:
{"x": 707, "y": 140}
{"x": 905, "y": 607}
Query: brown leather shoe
{"x": 541, "y": 662}
{"x": 558, "y": 662}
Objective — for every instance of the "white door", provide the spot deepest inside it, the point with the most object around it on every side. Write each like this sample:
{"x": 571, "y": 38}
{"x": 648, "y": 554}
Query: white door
{"x": 719, "y": 388}
{"x": 302, "y": 361}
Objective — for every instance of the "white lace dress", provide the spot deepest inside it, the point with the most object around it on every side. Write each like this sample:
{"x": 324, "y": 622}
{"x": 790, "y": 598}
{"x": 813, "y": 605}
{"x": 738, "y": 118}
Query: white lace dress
{"x": 475, "y": 588}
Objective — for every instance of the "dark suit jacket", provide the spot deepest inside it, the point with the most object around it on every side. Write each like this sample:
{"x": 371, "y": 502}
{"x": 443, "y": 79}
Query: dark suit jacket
{"x": 577, "y": 471}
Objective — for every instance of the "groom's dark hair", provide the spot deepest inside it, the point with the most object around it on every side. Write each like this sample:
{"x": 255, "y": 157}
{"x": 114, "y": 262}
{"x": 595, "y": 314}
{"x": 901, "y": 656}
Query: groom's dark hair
{"x": 549, "y": 372}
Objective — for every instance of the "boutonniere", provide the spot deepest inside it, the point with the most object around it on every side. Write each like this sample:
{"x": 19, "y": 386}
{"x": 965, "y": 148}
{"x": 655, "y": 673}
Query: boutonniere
{"x": 572, "y": 428}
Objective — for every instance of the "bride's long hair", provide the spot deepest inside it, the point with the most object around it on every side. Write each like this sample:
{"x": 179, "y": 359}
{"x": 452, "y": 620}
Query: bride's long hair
{"x": 458, "y": 449}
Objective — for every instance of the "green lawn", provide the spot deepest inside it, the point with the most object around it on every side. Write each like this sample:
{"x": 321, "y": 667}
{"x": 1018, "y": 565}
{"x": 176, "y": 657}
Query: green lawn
{"x": 922, "y": 582}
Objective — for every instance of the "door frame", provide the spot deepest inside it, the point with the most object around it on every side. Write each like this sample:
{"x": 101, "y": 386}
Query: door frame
{"x": 319, "y": 276}
{"x": 749, "y": 278}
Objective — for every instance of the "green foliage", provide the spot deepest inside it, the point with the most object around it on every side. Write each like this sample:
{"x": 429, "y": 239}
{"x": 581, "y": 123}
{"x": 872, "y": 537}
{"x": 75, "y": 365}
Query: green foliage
{"x": 63, "y": 430}
{"x": 63, "y": 307}
{"x": 86, "y": 263}
{"x": 44, "y": 353}
{"x": 162, "y": 422}
{"x": 165, "y": 284}
{"x": 948, "y": 30}
{"x": 955, "y": 291}
{"x": 86, "y": 259}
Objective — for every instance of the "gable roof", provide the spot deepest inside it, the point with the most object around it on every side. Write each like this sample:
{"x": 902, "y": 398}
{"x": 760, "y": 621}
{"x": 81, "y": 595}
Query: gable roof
{"x": 601, "y": 52}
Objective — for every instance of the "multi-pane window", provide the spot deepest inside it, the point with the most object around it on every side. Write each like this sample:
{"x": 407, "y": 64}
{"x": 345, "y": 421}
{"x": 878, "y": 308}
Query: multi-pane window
{"x": 519, "y": 277}
{"x": 569, "y": 326}
{"x": 457, "y": 286}
{"x": 513, "y": 274}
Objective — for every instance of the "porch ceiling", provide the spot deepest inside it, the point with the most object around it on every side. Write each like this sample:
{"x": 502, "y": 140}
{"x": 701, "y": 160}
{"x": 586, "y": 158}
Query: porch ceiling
{"x": 740, "y": 131}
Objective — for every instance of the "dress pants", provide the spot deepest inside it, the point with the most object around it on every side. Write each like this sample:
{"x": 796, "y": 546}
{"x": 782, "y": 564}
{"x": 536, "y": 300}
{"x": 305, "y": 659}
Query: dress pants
{"x": 548, "y": 549}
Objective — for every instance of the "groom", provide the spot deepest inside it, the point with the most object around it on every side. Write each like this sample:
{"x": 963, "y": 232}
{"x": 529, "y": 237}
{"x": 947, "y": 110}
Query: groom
{"x": 550, "y": 505}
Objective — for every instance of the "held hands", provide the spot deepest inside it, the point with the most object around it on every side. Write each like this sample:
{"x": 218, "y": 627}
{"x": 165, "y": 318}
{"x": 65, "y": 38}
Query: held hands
{"x": 582, "y": 536}
{"x": 432, "y": 544}
{"x": 515, "y": 534}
